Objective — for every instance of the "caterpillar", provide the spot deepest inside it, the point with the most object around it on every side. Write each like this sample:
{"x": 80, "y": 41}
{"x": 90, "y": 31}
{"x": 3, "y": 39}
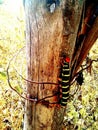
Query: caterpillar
{"x": 65, "y": 81}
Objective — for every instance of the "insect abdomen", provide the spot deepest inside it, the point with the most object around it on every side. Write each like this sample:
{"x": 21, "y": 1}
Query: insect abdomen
{"x": 65, "y": 83}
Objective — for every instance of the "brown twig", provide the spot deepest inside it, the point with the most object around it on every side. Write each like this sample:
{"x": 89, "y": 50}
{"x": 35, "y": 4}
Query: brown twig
{"x": 35, "y": 82}
{"x": 8, "y": 79}
{"x": 83, "y": 70}
{"x": 9, "y": 83}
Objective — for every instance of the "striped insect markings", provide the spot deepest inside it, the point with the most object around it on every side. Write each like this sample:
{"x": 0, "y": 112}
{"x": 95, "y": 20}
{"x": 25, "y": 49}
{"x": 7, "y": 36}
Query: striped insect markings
{"x": 65, "y": 81}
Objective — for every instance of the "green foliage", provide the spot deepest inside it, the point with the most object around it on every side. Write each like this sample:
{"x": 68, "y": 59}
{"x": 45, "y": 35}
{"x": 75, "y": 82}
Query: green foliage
{"x": 82, "y": 109}
{"x": 11, "y": 40}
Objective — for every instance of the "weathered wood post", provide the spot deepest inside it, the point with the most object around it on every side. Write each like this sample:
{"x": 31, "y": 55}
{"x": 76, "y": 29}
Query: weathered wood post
{"x": 51, "y": 30}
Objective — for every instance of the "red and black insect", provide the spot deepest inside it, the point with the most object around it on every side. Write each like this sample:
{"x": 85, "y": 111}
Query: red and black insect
{"x": 65, "y": 77}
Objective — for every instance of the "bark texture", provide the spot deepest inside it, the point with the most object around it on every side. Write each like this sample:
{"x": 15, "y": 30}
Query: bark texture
{"x": 49, "y": 36}
{"x": 86, "y": 37}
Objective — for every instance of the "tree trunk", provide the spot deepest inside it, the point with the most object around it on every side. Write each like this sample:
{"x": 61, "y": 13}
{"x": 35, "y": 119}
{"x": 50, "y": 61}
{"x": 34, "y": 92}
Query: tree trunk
{"x": 88, "y": 43}
{"x": 87, "y": 36}
{"x": 50, "y": 34}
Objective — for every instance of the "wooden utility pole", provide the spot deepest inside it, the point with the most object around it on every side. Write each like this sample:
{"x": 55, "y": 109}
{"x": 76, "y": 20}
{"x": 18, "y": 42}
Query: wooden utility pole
{"x": 51, "y": 30}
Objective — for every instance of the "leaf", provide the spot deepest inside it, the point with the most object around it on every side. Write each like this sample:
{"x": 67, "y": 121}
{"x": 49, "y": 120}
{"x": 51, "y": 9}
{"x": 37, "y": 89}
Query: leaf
{"x": 18, "y": 88}
{"x": 83, "y": 112}
{"x": 3, "y": 74}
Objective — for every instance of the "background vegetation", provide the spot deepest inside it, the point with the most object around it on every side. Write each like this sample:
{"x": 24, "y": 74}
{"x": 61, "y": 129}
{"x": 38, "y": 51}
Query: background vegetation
{"x": 82, "y": 109}
{"x": 12, "y": 38}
